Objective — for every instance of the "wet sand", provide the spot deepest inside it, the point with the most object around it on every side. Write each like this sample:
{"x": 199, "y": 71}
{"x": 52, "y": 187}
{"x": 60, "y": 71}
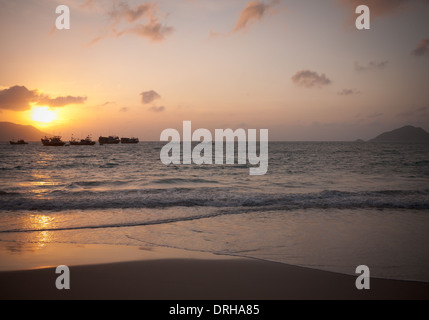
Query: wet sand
{"x": 170, "y": 274}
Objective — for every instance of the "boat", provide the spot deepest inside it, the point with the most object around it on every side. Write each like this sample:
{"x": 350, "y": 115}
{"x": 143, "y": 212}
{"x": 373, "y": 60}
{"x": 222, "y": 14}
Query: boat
{"x": 83, "y": 142}
{"x": 130, "y": 140}
{"x": 109, "y": 140}
{"x": 21, "y": 141}
{"x": 53, "y": 141}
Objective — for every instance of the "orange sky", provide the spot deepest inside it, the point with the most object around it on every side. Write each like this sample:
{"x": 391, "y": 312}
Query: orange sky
{"x": 297, "y": 68}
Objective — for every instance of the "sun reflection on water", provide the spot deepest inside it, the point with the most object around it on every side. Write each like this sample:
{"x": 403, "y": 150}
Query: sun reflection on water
{"x": 39, "y": 237}
{"x": 40, "y": 183}
{"x": 41, "y": 222}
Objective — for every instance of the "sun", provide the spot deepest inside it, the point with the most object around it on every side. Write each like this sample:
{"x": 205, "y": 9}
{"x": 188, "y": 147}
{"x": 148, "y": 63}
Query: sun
{"x": 43, "y": 114}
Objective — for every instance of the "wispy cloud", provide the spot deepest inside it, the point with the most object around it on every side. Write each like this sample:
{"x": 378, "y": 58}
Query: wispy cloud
{"x": 372, "y": 65}
{"x": 383, "y": 7}
{"x": 348, "y": 92}
{"x": 154, "y": 30}
{"x": 310, "y": 79}
{"x": 254, "y": 11}
{"x": 122, "y": 11}
{"x": 422, "y": 49}
{"x": 142, "y": 20}
{"x": 106, "y": 104}
{"x": 60, "y": 101}
{"x": 157, "y": 109}
{"x": 19, "y": 98}
{"x": 149, "y": 96}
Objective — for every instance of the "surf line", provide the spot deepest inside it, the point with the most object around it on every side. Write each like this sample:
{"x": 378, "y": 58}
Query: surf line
{"x": 179, "y": 151}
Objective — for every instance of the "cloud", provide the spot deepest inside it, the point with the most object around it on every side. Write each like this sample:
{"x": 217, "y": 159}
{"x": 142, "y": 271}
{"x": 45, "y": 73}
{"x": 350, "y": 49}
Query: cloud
{"x": 149, "y": 96}
{"x": 381, "y": 8}
{"x": 348, "y": 92}
{"x": 422, "y": 49}
{"x": 19, "y": 98}
{"x": 371, "y": 66}
{"x": 123, "y": 109}
{"x": 102, "y": 105}
{"x": 60, "y": 101}
{"x": 254, "y": 11}
{"x": 157, "y": 109}
{"x": 153, "y": 30}
{"x": 310, "y": 79}
{"x": 142, "y": 20}
{"x": 106, "y": 104}
{"x": 122, "y": 11}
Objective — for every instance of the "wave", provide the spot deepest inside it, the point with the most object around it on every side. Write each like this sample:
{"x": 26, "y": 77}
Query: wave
{"x": 84, "y": 156}
{"x": 212, "y": 197}
{"x": 96, "y": 183}
{"x": 3, "y": 193}
{"x": 120, "y": 225}
{"x": 109, "y": 165}
{"x": 181, "y": 180}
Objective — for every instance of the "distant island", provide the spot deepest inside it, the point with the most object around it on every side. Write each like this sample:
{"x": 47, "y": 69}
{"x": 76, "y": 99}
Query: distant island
{"x": 10, "y": 131}
{"x": 407, "y": 134}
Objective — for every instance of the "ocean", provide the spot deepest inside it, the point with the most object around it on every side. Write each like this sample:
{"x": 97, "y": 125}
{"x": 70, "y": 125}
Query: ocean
{"x": 325, "y": 205}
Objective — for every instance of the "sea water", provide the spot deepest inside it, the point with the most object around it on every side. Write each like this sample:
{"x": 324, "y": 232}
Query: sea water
{"x": 325, "y": 205}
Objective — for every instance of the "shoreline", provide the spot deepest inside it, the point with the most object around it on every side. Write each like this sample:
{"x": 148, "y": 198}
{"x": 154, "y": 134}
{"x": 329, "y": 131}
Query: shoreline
{"x": 153, "y": 273}
{"x": 24, "y": 256}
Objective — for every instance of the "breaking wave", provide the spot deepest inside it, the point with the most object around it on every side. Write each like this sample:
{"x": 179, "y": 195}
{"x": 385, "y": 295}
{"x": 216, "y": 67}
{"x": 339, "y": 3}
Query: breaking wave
{"x": 212, "y": 197}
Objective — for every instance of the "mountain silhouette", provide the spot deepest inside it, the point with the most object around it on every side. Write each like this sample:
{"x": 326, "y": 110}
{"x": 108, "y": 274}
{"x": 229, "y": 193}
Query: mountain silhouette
{"x": 10, "y": 131}
{"x": 408, "y": 134}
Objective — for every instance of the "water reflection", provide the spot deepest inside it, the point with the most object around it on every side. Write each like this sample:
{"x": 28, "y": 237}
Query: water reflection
{"x": 43, "y": 238}
{"x": 40, "y": 222}
{"x": 45, "y": 159}
{"x": 39, "y": 183}
{"x": 41, "y": 178}
{"x": 37, "y": 241}
{"x": 31, "y": 241}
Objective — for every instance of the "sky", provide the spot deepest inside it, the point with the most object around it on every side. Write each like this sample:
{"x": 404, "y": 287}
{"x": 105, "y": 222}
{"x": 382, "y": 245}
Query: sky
{"x": 299, "y": 68}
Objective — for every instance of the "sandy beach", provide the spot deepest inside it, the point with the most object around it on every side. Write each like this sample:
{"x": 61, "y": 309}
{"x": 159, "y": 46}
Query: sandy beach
{"x": 252, "y": 150}
{"x": 170, "y": 274}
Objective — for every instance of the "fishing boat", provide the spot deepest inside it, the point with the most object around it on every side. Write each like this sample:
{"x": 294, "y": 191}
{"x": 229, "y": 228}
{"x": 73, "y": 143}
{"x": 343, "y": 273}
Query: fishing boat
{"x": 53, "y": 141}
{"x": 83, "y": 142}
{"x": 109, "y": 140}
{"x": 21, "y": 141}
{"x": 129, "y": 140}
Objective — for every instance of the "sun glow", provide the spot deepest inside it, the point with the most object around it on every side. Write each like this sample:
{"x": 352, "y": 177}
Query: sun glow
{"x": 43, "y": 114}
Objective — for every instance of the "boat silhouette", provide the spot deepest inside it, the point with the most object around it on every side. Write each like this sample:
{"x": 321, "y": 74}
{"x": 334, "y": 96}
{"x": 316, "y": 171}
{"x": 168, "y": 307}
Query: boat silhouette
{"x": 83, "y": 142}
{"x": 129, "y": 140}
{"x": 53, "y": 141}
{"x": 109, "y": 140}
{"x": 21, "y": 141}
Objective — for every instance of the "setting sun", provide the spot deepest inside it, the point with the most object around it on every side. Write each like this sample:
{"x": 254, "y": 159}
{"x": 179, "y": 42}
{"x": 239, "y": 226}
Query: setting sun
{"x": 43, "y": 114}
